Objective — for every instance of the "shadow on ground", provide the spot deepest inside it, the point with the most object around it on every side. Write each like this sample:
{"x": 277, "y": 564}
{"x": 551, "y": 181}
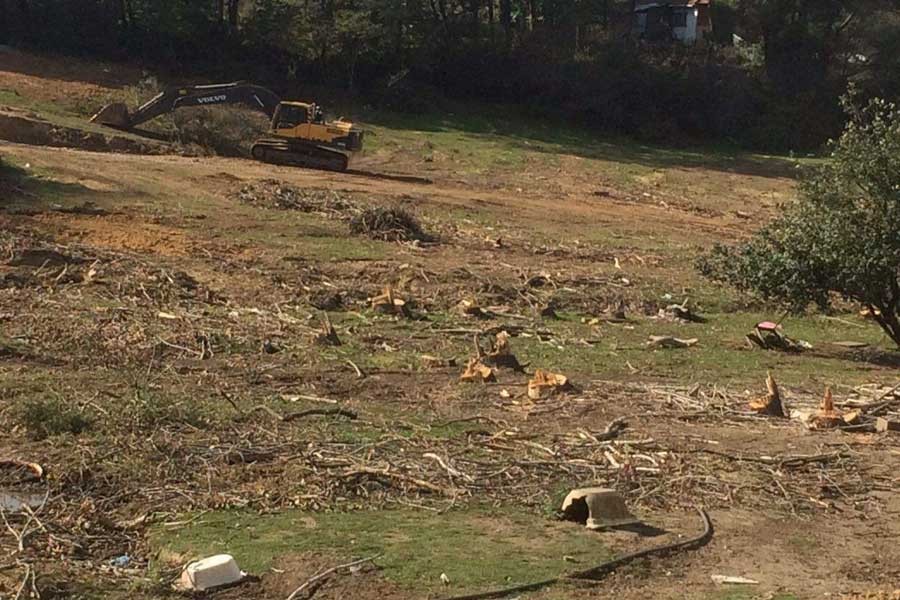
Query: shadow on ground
{"x": 553, "y": 136}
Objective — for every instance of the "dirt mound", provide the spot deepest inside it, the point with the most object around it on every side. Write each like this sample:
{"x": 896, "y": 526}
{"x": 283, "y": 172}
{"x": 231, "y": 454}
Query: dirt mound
{"x": 25, "y": 128}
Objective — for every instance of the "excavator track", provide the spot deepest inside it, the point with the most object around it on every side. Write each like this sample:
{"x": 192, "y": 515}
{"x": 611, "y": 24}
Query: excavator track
{"x": 282, "y": 152}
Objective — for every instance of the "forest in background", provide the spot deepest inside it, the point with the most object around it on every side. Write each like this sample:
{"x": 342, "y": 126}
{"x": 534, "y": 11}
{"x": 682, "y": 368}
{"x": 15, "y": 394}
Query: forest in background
{"x": 769, "y": 77}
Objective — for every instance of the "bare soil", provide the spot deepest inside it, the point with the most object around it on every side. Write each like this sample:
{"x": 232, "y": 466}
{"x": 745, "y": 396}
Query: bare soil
{"x": 27, "y": 128}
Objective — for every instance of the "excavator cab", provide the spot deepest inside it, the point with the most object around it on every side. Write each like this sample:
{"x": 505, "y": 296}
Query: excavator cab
{"x": 306, "y": 121}
{"x": 289, "y": 115}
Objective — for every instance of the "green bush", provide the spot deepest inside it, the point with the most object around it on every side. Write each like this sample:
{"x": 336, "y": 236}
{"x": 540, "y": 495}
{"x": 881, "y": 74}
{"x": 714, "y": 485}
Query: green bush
{"x": 50, "y": 417}
{"x": 841, "y": 237}
{"x": 146, "y": 410}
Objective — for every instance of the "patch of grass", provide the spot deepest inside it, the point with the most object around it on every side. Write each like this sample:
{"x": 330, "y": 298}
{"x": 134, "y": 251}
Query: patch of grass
{"x": 13, "y": 348}
{"x": 490, "y": 137}
{"x": 805, "y": 545}
{"x": 341, "y": 248}
{"x": 74, "y": 114}
{"x": 438, "y": 140}
{"x": 354, "y": 432}
{"x": 40, "y": 188}
{"x": 305, "y": 236}
{"x": 48, "y": 417}
{"x": 476, "y": 549}
{"x": 619, "y": 351}
{"x": 146, "y": 410}
{"x": 721, "y": 354}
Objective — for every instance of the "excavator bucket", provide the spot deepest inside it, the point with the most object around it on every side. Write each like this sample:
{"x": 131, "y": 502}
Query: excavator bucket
{"x": 113, "y": 115}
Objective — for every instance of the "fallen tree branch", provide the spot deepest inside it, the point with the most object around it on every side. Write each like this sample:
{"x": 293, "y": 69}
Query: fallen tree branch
{"x": 781, "y": 461}
{"x": 603, "y": 569}
{"x": 420, "y": 483}
{"x": 355, "y": 367}
{"x": 609, "y": 566}
{"x": 474, "y": 418}
{"x": 612, "y": 431}
{"x": 343, "y": 412}
{"x": 328, "y": 572}
{"x": 880, "y": 404}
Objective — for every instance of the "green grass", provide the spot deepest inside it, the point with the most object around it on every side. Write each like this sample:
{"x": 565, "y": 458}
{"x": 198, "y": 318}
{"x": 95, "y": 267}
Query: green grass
{"x": 804, "y": 545}
{"x": 471, "y": 153}
{"x": 49, "y": 417}
{"x": 41, "y": 189}
{"x": 491, "y": 136}
{"x": 74, "y": 114}
{"x": 722, "y": 353}
{"x": 476, "y": 548}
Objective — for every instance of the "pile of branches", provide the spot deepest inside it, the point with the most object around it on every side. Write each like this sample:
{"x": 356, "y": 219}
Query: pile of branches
{"x": 271, "y": 193}
{"x": 388, "y": 224}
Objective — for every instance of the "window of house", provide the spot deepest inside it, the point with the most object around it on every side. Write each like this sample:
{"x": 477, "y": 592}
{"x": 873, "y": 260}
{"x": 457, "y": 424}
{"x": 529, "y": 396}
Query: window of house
{"x": 679, "y": 18}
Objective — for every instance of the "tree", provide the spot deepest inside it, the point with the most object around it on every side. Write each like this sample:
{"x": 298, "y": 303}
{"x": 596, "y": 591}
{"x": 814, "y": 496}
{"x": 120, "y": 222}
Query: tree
{"x": 799, "y": 37}
{"x": 842, "y": 236}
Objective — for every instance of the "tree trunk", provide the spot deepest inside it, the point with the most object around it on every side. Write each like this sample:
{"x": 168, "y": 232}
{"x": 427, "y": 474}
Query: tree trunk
{"x": 891, "y": 326}
{"x": 399, "y": 45}
{"x": 889, "y": 319}
{"x": 490, "y": 7}
{"x": 233, "y": 14}
{"x": 506, "y": 20}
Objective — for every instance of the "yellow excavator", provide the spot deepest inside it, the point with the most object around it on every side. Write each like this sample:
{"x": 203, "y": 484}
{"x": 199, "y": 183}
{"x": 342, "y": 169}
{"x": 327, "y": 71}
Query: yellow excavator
{"x": 298, "y": 134}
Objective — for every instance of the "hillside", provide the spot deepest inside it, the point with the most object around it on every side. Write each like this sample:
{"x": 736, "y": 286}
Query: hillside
{"x": 165, "y": 357}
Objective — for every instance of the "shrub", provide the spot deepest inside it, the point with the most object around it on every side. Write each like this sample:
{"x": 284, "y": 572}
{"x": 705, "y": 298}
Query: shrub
{"x": 842, "y": 235}
{"x": 49, "y": 417}
{"x": 148, "y": 411}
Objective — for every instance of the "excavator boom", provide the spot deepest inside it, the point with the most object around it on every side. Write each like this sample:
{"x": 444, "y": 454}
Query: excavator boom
{"x": 240, "y": 92}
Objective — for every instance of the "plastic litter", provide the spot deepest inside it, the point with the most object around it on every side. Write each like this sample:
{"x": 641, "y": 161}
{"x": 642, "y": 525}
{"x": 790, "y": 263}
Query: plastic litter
{"x": 212, "y": 572}
{"x": 597, "y": 508}
{"x": 120, "y": 561}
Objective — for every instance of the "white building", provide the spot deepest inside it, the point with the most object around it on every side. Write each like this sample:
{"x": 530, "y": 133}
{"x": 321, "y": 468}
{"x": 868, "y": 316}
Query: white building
{"x": 683, "y": 20}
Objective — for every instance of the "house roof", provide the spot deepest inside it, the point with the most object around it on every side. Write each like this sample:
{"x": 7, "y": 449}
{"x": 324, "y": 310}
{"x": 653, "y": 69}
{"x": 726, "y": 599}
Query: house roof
{"x": 639, "y": 6}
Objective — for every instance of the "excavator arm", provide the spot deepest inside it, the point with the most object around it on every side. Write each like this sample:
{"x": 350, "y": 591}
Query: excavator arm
{"x": 252, "y": 96}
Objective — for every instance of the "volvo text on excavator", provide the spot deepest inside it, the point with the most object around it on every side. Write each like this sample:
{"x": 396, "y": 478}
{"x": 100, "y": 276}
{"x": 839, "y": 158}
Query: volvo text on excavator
{"x": 298, "y": 134}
